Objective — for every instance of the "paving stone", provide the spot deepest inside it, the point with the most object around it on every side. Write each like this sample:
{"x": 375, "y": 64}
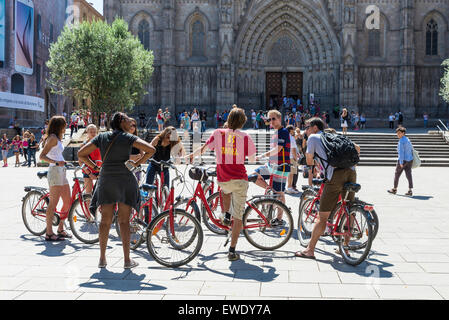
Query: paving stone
{"x": 407, "y": 292}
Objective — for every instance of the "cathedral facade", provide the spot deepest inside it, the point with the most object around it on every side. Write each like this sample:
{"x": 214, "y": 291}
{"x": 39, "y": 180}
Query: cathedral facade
{"x": 375, "y": 56}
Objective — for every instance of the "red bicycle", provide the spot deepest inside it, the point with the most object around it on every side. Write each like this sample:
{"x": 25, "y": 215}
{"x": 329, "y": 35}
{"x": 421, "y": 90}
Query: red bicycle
{"x": 83, "y": 224}
{"x": 174, "y": 237}
{"x": 350, "y": 227}
{"x": 257, "y": 218}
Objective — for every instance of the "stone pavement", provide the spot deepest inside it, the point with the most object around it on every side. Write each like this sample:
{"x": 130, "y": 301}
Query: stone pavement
{"x": 409, "y": 260}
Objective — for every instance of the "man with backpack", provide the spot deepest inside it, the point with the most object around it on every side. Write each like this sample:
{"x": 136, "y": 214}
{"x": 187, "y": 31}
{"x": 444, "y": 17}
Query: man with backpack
{"x": 338, "y": 156}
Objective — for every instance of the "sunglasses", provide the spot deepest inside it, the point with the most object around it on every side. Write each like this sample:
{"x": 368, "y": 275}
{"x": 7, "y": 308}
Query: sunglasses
{"x": 272, "y": 119}
{"x": 308, "y": 127}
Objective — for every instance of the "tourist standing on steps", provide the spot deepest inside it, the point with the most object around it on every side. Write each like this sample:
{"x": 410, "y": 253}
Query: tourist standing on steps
{"x": 16, "y": 145}
{"x": 57, "y": 179}
{"x": 116, "y": 183}
{"x": 426, "y": 119}
{"x": 391, "y": 120}
{"x": 405, "y": 161}
{"x": 344, "y": 119}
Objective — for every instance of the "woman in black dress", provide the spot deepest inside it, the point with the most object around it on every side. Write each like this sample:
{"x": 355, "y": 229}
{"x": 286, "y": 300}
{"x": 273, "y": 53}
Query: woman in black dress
{"x": 116, "y": 184}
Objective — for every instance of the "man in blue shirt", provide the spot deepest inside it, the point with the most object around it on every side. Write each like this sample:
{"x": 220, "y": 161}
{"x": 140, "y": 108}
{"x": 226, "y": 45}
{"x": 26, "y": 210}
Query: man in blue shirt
{"x": 405, "y": 161}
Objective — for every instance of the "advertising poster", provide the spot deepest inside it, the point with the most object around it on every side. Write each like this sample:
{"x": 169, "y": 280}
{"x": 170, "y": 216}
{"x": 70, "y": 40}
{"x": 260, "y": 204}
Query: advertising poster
{"x": 24, "y": 37}
{"x": 2, "y": 31}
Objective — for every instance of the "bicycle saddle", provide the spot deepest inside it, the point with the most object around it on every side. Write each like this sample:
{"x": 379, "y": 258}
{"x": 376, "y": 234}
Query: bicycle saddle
{"x": 252, "y": 178}
{"x": 317, "y": 182}
{"x": 42, "y": 174}
{"x": 148, "y": 187}
{"x": 352, "y": 187}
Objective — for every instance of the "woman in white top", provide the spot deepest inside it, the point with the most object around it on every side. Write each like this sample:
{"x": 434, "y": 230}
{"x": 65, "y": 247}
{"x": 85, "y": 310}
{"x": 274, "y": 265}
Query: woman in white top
{"x": 57, "y": 180}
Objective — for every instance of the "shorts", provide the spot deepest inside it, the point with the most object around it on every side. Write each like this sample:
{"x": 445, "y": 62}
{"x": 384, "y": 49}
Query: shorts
{"x": 57, "y": 176}
{"x": 279, "y": 181}
{"x": 160, "y": 122}
{"x": 239, "y": 190}
{"x": 334, "y": 187}
{"x": 294, "y": 167}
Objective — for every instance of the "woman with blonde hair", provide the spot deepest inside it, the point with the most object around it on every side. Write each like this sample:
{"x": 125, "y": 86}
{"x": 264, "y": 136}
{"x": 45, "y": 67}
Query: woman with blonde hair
{"x": 166, "y": 144}
{"x": 91, "y": 175}
{"x": 57, "y": 179}
{"x": 344, "y": 119}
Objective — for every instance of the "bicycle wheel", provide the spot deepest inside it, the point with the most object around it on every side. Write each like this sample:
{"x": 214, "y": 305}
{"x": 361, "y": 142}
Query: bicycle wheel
{"x": 34, "y": 208}
{"x": 307, "y": 217}
{"x": 137, "y": 226}
{"x": 161, "y": 230}
{"x": 306, "y": 194}
{"x": 84, "y": 225}
{"x": 216, "y": 210}
{"x": 264, "y": 235}
{"x": 355, "y": 244}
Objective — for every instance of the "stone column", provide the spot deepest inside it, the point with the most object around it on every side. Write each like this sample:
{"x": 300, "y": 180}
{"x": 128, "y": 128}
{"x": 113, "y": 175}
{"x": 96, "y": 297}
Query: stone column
{"x": 407, "y": 54}
{"x": 168, "y": 72}
{"x": 226, "y": 95}
{"x": 112, "y": 8}
{"x": 348, "y": 66}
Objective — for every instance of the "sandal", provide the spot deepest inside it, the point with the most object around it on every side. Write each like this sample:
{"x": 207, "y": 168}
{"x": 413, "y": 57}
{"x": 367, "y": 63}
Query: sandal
{"x": 102, "y": 264}
{"x": 49, "y": 237}
{"x": 301, "y": 254}
{"x": 393, "y": 191}
{"x": 64, "y": 234}
{"x": 409, "y": 193}
{"x": 131, "y": 264}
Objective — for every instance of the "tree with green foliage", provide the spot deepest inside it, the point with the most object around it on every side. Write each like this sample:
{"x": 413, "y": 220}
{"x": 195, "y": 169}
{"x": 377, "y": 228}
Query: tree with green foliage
{"x": 100, "y": 62}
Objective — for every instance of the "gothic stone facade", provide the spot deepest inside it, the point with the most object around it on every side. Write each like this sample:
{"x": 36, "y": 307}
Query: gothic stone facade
{"x": 213, "y": 53}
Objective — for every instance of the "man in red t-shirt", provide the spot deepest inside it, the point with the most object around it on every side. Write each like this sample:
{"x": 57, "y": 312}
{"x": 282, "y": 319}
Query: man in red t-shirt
{"x": 231, "y": 147}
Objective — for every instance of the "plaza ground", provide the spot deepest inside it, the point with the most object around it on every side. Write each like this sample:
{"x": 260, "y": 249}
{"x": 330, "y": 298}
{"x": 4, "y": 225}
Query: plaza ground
{"x": 409, "y": 258}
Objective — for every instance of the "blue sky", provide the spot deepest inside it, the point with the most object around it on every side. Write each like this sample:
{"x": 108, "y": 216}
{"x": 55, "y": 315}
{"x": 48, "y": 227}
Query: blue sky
{"x": 98, "y": 5}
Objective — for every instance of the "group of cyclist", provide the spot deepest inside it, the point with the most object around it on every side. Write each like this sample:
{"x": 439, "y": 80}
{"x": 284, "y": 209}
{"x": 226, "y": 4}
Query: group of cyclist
{"x": 109, "y": 157}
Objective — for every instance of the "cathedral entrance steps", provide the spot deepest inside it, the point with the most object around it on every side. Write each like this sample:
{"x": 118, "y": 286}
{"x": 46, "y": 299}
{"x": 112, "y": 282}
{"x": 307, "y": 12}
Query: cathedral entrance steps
{"x": 377, "y": 149}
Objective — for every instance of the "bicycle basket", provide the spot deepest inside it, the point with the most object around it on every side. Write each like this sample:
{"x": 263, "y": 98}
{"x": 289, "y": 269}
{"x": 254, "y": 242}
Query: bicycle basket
{"x": 198, "y": 174}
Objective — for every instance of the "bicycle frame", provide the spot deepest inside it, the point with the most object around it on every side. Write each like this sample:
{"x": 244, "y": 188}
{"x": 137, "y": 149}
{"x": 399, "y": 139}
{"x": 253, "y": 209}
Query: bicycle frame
{"x": 199, "y": 192}
{"x": 77, "y": 193}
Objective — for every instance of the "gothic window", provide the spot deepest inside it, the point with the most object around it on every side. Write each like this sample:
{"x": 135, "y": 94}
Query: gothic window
{"x": 432, "y": 38}
{"x": 374, "y": 43}
{"x": 198, "y": 39}
{"x": 144, "y": 34}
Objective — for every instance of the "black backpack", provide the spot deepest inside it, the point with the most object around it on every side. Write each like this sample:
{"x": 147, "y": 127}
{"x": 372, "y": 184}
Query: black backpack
{"x": 340, "y": 151}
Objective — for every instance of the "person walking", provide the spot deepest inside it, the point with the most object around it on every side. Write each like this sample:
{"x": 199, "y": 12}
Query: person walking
{"x": 57, "y": 179}
{"x": 16, "y": 145}
{"x": 4, "y": 143}
{"x": 405, "y": 161}
{"x": 232, "y": 147}
{"x": 116, "y": 183}
{"x": 400, "y": 118}
{"x": 32, "y": 149}
{"x": 167, "y": 117}
{"x": 203, "y": 118}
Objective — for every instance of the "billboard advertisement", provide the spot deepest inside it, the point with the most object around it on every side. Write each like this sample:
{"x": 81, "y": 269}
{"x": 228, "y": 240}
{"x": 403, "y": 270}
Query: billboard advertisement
{"x": 20, "y": 101}
{"x": 2, "y": 31}
{"x": 24, "y": 36}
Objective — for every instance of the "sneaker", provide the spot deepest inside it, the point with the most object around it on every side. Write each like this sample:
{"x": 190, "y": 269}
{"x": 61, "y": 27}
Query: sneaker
{"x": 233, "y": 256}
{"x": 277, "y": 223}
{"x": 289, "y": 191}
{"x": 296, "y": 191}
